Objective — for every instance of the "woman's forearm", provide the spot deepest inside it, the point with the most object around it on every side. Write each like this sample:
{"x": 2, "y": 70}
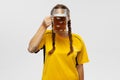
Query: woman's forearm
{"x": 80, "y": 71}
{"x": 34, "y": 42}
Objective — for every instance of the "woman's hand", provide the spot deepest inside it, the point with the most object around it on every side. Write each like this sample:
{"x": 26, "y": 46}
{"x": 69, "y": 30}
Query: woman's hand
{"x": 47, "y": 21}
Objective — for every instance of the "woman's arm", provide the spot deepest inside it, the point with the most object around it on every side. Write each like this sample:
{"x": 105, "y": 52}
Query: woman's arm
{"x": 34, "y": 42}
{"x": 80, "y": 71}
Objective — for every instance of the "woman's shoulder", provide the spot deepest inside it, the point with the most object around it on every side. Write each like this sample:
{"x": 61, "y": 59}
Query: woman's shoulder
{"x": 77, "y": 36}
{"x": 48, "y": 31}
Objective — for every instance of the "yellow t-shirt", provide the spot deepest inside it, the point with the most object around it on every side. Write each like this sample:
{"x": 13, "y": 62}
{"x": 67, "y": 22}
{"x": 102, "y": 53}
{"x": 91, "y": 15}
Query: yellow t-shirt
{"x": 59, "y": 66}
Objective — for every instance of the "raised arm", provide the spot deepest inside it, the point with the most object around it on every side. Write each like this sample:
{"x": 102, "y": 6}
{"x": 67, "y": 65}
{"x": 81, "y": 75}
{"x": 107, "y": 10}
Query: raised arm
{"x": 34, "y": 42}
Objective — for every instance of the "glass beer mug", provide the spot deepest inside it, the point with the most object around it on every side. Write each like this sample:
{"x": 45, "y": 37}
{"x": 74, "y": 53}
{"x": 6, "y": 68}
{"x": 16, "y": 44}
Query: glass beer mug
{"x": 59, "y": 19}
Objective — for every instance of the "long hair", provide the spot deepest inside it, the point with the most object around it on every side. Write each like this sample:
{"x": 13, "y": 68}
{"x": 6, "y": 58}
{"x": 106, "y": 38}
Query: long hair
{"x": 61, "y": 6}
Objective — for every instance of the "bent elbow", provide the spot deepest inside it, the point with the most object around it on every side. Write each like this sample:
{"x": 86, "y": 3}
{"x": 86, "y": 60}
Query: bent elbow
{"x": 32, "y": 49}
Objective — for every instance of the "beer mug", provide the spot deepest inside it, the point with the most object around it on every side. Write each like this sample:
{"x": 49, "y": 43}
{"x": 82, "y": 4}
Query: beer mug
{"x": 59, "y": 19}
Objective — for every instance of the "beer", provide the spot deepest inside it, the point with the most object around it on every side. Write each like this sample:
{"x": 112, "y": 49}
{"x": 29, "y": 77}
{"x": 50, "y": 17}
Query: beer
{"x": 59, "y": 23}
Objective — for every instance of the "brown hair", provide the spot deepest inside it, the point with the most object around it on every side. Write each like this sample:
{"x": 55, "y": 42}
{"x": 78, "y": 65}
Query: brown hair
{"x": 61, "y": 6}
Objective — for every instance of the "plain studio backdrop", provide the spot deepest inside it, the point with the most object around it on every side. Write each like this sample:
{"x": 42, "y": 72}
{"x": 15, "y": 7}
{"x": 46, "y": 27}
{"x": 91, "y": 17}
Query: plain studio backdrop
{"x": 97, "y": 21}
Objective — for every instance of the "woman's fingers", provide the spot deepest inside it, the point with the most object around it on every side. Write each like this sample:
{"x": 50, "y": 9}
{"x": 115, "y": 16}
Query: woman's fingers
{"x": 47, "y": 21}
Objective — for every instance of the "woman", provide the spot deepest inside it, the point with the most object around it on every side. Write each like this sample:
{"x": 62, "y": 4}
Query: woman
{"x": 65, "y": 52}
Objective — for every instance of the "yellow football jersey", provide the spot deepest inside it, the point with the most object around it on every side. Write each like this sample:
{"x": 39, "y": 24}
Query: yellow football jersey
{"x": 59, "y": 66}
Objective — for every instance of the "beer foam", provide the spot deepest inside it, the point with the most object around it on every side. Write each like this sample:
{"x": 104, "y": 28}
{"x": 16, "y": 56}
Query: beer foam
{"x": 64, "y": 15}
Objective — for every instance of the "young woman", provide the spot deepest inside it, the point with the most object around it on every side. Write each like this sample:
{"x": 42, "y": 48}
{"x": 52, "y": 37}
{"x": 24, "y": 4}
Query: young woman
{"x": 65, "y": 52}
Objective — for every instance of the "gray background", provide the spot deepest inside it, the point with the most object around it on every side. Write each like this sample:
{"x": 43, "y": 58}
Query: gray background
{"x": 97, "y": 21}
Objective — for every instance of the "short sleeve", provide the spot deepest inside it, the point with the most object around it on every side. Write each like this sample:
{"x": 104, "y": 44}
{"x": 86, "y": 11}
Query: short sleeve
{"x": 42, "y": 43}
{"x": 82, "y": 56}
